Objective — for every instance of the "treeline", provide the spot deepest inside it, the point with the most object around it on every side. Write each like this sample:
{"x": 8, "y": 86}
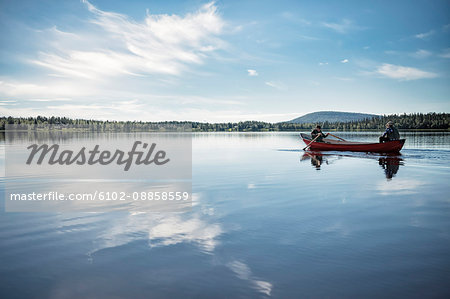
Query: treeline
{"x": 415, "y": 121}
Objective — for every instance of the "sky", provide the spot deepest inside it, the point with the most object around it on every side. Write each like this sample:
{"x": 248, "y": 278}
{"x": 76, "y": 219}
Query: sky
{"x": 222, "y": 61}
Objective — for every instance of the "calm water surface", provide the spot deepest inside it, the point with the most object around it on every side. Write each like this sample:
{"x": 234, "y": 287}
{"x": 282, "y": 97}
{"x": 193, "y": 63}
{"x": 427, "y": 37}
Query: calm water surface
{"x": 268, "y": 220}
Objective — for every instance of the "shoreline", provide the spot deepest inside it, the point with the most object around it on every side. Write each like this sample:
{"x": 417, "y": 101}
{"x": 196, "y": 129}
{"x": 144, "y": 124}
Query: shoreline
{"x": 261, "y": 131}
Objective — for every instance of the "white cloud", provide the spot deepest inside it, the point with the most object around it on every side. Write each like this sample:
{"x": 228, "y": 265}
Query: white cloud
{"x": 348, "y": 79}
{"x": 145, "y": 113}
{"x": 8, "y": 103}
{"x": 307, "y": 37}
{"x": 252, "y": 73}
{"x": 343, "y": 27}
{"x": 424, "y": 35}
{"x": 344, "y": 61}
{"x": 276, "y": 85}
{"x": 78, "y": 93}
{"x": 161, "y": 44}
{"x": 403, "y": 73}
{"x": 52, "y": 91}
{"x": 445, "y": 53}
{"x": 421, "y": 53}
{"x": 323, "y": 63}
{"x": 50, "y": 100}
{"x": 271, "y": 84}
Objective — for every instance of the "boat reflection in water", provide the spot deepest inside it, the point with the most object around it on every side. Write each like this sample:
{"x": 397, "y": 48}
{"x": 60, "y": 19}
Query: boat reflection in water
{"x": 389, "y": 163}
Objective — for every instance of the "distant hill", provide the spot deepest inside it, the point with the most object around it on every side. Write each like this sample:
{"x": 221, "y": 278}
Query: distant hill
{"x": 330, "y": 116}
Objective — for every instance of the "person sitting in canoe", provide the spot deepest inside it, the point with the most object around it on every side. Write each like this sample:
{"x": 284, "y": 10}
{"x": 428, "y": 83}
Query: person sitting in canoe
{"x": 317, "y": 132}
{"x": 390, "y": 134}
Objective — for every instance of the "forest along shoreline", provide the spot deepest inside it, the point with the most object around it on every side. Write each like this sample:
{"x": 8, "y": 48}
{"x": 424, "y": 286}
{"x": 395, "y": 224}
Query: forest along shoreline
{"x": 405, "y": 122}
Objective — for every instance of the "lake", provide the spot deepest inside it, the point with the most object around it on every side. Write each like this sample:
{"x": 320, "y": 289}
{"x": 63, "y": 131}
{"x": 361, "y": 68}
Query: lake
{"x": 268, "y": 220}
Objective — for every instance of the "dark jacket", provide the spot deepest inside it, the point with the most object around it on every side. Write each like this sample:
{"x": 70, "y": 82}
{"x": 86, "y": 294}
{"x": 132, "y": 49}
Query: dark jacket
{"x": 392, "y": 133}
{"x": 314, "y": 134}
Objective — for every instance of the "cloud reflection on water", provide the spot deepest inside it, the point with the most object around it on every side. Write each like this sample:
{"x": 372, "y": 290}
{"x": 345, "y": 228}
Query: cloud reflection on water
{"x": 162, "y": 229}
{"x": 243, "y": 272}
{"x": 167, "y": 229}
{"x": 401, "y": 187}
{"x": 173, "y": 230}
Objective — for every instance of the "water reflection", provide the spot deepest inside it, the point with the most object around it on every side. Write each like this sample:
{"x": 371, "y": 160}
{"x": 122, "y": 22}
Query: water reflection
{"x": 317, "y": 159}
{"x": 389, "y": 163}
{"x": 243, "y": 272}
{"x": 161, "y": 229}
{"x": 260, "y": 225}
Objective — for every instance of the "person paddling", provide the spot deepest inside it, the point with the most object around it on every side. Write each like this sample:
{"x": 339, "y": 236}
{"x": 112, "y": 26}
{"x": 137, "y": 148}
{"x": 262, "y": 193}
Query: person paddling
{"x": 317, "y": 132}
{"x": 390, "y": 134}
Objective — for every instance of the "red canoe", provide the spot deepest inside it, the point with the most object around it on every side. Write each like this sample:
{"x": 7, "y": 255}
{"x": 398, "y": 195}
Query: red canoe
{"x": 336, "y": 145}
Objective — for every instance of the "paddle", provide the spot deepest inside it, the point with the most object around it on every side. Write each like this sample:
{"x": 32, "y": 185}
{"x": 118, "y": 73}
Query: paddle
{"x": 311, "y": 142}
{"x": 337, "y": 137}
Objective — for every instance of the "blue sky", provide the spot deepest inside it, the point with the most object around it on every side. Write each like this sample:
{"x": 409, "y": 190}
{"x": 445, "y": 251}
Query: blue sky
{"x": 222, "y": 61}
